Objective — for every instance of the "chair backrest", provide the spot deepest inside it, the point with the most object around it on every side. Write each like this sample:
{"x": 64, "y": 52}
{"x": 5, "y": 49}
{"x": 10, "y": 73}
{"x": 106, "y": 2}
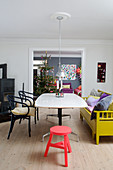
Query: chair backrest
{"x": 22, "y": 95}
{"x": 11, "y": 101}
{"x": 14, "y": 101}
{"x": 26, "y": 96}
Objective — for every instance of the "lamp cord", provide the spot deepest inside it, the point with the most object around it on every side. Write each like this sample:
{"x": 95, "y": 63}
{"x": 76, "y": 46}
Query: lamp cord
{"x": 59, "y": 43}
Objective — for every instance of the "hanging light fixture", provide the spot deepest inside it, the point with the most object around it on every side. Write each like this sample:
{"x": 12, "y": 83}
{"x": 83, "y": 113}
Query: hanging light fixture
{"x": 60, "y": 16}
{"x": 60, "y": 73}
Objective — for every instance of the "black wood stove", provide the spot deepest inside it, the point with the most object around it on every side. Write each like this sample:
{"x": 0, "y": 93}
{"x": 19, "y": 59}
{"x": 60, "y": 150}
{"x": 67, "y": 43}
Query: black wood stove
{"x": 6, "y": 87}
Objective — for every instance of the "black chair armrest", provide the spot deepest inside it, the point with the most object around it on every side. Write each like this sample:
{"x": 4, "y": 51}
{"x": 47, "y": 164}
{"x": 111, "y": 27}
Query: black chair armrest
{"x": 14, "y": 100}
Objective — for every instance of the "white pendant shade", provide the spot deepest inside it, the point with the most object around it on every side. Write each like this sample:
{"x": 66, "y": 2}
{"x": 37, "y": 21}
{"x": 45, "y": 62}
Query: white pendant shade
{"x": 60, "y": 73}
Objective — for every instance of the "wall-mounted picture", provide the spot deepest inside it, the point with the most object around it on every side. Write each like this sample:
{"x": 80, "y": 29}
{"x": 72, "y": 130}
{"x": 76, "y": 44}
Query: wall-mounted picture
{"x": 101, "y": 72}
{"x": 69, "y": 70}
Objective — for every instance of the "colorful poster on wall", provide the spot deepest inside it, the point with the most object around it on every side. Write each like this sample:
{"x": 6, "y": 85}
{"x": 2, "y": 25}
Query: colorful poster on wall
{"x": 69, "y": 71}
{"x": 101, "y": 72}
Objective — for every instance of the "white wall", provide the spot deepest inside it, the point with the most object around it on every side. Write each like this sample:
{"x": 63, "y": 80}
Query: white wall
{"x": 16, "y": 54}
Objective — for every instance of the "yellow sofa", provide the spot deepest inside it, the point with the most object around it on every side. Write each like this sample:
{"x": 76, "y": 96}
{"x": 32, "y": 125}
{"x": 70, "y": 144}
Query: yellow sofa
{"x": 102, "y": 125}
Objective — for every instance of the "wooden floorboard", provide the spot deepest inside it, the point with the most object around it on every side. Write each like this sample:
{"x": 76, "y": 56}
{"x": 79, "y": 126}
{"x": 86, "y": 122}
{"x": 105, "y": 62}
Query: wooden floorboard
{"x": 23, "y": 153}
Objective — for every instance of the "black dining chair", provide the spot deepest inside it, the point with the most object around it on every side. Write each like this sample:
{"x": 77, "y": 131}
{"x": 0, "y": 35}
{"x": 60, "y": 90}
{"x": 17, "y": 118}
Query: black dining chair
{"x": 29, "y": 99}
{"x": 19, "y": 110}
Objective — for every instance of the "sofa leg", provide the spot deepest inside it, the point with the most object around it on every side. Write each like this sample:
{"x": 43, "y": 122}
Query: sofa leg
{"x": 93, "y": 135}
{"x": 97, "y": 139}
{"x": 81, "y": 117}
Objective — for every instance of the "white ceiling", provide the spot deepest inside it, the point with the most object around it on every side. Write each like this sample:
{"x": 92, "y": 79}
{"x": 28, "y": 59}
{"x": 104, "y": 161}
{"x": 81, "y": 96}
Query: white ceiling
{"x": 90, "y": 19}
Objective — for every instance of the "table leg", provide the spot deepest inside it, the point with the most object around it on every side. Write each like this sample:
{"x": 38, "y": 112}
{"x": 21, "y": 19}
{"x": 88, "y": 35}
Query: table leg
{"x": 76, "y": 136}
{"x": 47, "y": 134}
{"x": 60, "y": 115}
{"x": 60, "y": 122}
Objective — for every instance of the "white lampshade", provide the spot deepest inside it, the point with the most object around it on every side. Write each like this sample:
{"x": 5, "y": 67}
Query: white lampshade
{"x": 60, "y": 73}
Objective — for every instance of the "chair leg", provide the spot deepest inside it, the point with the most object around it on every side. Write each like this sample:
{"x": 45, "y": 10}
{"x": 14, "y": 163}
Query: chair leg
{"x": 37, "y": 114}
{"x": 11, "y": 126}
{"x": 20, "y": 120}
{"x": 29, "y": 125}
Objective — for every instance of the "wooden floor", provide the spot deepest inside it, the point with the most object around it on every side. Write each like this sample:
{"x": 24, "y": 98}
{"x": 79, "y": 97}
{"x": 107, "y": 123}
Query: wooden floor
{"x": 23, "y": 153}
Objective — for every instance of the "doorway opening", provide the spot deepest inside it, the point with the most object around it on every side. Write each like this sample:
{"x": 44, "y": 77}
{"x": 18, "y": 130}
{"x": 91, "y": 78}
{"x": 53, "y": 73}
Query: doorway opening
{"x": 67, "y": 57}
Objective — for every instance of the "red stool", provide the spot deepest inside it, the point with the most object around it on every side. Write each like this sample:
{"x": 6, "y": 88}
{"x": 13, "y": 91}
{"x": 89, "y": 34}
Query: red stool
{"x": 62, "y": 131}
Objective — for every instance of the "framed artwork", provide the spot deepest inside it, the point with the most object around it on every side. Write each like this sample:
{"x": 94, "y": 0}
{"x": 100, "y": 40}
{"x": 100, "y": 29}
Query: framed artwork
{"x": 101, "y": 72}
{"x": 69, "y": 71}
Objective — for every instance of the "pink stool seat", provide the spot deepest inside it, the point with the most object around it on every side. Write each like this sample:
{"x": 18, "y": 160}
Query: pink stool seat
{"x": 62, "y": 131}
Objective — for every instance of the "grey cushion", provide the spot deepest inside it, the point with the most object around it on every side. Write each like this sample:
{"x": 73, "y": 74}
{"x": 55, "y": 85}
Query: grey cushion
{"x": 95, "y": 93}
{"x": 103, "y": 104}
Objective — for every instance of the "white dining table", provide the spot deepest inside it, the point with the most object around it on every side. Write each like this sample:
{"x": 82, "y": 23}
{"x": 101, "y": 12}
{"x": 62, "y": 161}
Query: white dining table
{"x": 70, "y": 100}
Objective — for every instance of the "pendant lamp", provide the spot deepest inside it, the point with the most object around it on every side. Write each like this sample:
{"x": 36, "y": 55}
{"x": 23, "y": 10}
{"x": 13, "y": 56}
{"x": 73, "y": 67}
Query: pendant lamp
{"x": 60, "y": 74}
{"x": 60, "y": 16}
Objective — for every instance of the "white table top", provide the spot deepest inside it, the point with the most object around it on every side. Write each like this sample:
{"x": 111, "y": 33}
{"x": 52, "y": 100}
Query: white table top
{"x": 70, "y": 100}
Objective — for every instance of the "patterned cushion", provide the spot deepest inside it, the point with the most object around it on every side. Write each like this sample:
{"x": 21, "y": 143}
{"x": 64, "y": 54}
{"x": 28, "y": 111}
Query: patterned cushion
{"x": 23, "y": 111}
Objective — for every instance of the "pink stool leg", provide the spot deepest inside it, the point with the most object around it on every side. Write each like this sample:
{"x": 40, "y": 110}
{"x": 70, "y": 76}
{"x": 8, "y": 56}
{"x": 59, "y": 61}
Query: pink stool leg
{"x": 69, "y": 146}
{"x": 48, "y": 145}
{"x": 65, "y": 150}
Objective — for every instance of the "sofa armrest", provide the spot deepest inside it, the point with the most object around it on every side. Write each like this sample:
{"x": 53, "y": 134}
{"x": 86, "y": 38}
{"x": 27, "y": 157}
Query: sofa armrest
{"x": 104, "y": 115}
